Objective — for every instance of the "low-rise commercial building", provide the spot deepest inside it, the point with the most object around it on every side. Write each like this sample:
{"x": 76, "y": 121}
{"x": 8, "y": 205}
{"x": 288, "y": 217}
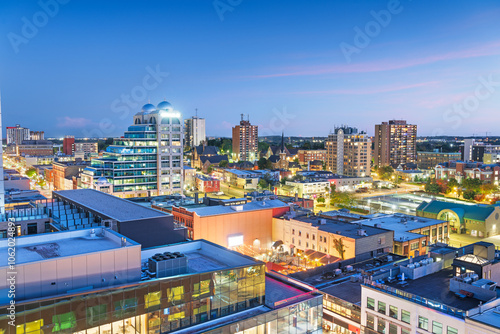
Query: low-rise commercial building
{"x": 460, "y": 170}
{"x": 476, "y": 220}
{"x": 412, "y": 235}
{"x": 97, "y": 281}
{"x": 429, "y": 160}
{"x": 35, "y": 148}
{"x": 337, "y": 239}
{"x": 66, "y": 174}
{"x": 87, "y": 208}
{"x": 207, "y": 184}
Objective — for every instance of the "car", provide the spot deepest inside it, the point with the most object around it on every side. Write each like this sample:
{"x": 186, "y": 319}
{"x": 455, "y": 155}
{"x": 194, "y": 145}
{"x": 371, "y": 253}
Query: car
{"x": 219, "y": 193}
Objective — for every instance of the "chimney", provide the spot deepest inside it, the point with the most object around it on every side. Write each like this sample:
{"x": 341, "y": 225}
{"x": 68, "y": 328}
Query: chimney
{"x": 196, "y": 199}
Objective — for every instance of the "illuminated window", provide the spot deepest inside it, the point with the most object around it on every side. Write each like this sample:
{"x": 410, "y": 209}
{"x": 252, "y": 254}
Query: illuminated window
{"x": 152, "y": 299}
{"x": 176, "y": 294}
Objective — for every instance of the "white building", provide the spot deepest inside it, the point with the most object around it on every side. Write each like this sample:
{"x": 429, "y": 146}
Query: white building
{"x": 309, "y": 188}
{"x": 194, "y": 131}
{"x": 17, "y": 134}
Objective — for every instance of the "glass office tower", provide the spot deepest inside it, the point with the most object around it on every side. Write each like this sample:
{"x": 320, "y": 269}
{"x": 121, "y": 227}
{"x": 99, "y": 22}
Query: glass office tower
{"x": 147, "y": 160}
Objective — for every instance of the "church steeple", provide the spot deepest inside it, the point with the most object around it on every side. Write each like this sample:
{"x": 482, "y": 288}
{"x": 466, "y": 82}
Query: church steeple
{"x": 282, "y": 142}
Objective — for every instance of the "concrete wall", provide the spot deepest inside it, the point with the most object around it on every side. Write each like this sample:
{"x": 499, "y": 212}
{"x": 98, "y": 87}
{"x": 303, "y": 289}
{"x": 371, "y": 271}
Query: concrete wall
{"x": 479, "y": 293}
{"x": 62, "y": 274}
{"x": 422, "y": 270}
{"x": 251, "y": 224}
{"x": 374, "y": 242}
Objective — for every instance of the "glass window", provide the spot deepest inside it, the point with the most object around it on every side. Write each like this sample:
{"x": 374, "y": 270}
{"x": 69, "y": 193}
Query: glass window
{"x": 405, "y": 316}
{"x": 437, "y": 327}
{"x": 370, "y": 321}
{"x": 381, "y": 326}
{"x": 370, "y": 303}
{"x": 423, "y": 323}
{"x": 405, "y": 331}
{"x": 393, "y": 329}
{"x": 452, "y": 330}
{"x": 393, "y": 312}
{"x": 381, "y": 307}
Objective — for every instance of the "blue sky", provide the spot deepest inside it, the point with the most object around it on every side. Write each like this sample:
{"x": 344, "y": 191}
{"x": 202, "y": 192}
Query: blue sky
{"x": 284, "y": 63}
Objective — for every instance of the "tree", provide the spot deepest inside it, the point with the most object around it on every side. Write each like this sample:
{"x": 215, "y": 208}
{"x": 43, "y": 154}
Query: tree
{"x": 432, "y": 187}
{"x": 263, "y": 146}
{"x": 488, "y": 188}
{"x": 264, "y": 163}
{"x": 210, "y": 169}
{"x": 342, "y": 198}
{"x": 263, "y": 184}
{"x": 339, "y": 246}
{"x": 296, "y": 160}
{"x": 469, "y": 194}
{"x": 451, "y": 185}
{"x": 385, "y": 172}
{"x": 223, "y": 163}
{"x": 333, "y": 187}
{"x": 31, "y": 173}
{"x": 321, "y": 200}
{"x": 472, "y": 184}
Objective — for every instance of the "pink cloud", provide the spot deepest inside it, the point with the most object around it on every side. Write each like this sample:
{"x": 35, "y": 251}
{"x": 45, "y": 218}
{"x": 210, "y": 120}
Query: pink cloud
{"x": 490, "y": 49}
{"x": 73, "y": 122}
{"x": 362, "y": 91}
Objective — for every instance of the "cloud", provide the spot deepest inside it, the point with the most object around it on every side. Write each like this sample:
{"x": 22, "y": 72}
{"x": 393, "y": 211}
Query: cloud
{"x": 362, "y": 91}
{"x": 490, "y": 49}
{"x": 73, "y": 122}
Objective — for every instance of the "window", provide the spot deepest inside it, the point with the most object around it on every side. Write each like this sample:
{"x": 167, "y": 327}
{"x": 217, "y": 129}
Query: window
{"x": 405, "y": 331}
{"x": 320, "y": 238}
{"x": 381, "y": 326}
{"x": 405, "y": 316}
{"x": 370, "y": 321}
{"x": 293, "y": 240}
{"x": 314, "y": 236}
{"x": 300, "y": 233}
{"x": 414, "y": 246}
{"x": 293, "y": 231}
{"x": 393, "y": 312}
{"x": 423, "y": 323}
{"x": 307, "y": 235}
{"x": 452, "y": 330}
{"x": 370, "y": 303}
{"x": 381, "y": 307}
{"x": 393, "y": 329}
{"x": 437, "y": 327}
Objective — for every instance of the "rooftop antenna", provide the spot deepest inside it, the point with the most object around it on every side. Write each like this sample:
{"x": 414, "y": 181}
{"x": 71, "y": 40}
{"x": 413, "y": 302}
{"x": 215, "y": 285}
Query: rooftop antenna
{"x": 242, "y": 117}
{"x": 248, "y": 117}
{"x": 196, "y": 110}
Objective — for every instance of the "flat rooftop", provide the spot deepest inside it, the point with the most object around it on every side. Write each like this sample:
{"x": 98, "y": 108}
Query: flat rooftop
{"x": 340, "y": 227}
{"x": 436, "y": 287}
{"x": 203, "y": 256}
{"x": 490, "y": 317}
{"x": 41, "y": 247}
{"x": 108, "y": 205}
{"x": 348, "y": 291}
{"x": 401, "y": 224}
{"x": 224, "y": 210}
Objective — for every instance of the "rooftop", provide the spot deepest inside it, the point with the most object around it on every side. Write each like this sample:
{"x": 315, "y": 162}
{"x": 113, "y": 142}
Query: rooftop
{"x": 401, "y": 224}
{"x": 465, "y": 211}
{"x": 108, "y": 205}
{"x": 46, "y": 246}
{"x": 203, "y": 256}
{"x": 340, "y": 227}
{"x": 435, "y": 287}
{"x": 224, "y": 210}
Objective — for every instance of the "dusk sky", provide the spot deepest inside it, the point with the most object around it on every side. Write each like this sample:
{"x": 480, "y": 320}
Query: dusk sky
{"x": 297, "y": 66}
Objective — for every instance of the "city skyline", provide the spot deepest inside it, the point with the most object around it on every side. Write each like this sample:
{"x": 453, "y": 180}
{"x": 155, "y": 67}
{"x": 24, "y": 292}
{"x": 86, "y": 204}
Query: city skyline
{"x": 433, "y": 66}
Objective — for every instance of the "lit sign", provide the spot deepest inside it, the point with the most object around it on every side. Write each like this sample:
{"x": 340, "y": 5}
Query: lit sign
{"x": 170, "y": 114}
{"x": 235, "y": 241}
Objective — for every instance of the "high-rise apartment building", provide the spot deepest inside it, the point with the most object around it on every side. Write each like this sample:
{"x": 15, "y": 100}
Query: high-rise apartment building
{"x": 37, "y": 135}
{"x": 194, "y": 131}
{"x": 395, "y": 143}
{"x": 348, "y": 152}
{"x": 245, "y": 141}
{"x": 147, "y": 160}
{"x": 69, "y": 145}
{"x": 17, "y": 134}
